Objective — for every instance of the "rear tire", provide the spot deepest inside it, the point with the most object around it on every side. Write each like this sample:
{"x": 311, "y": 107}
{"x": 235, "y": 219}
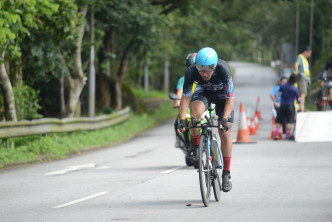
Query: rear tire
{"x": 204, "y": 170}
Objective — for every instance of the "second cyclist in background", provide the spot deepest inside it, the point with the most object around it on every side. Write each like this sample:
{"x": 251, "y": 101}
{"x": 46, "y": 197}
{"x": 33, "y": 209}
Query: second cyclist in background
{"x": 179, "y": 89}
{"x": 328, "y": 80}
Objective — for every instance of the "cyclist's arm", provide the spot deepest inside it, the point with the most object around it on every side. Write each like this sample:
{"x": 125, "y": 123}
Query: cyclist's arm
{"x": 186, "y": 94}
{"x": 228, "y": 108}
{"x": 179, "y": 93}
{"x": 184, "y": 104}
{"x": 228, "y": 89}
{"x": 327, "y": 67}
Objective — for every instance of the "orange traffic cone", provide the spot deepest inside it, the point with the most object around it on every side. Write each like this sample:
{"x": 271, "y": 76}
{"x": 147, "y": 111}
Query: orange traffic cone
{"x": 258, "y": 112}
{"x": 248, "y": 123}
{"x": 273, "y": 133}
{"x": 253, "y": 128}
{"x": 242, "y": 133}
{"x": 256, "y": 122}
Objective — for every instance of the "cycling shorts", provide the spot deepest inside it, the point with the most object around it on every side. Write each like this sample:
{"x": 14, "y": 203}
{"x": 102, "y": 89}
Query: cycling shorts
{"x": 208, "y": 97}
{"x": 286, "y": 113}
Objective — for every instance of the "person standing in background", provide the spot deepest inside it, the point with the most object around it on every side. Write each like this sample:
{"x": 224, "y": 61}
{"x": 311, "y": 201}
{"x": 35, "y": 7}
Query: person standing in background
{"x": 302, "y": 69}
{"x": 276, "y": 102}
{"x": 287, "y": 109}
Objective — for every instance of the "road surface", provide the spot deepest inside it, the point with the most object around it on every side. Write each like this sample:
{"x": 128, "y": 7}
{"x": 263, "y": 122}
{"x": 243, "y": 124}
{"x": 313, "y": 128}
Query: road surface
{"x": 146, "y": 179}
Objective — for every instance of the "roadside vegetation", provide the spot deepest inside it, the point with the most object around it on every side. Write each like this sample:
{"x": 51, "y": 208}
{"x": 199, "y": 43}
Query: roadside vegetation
{"x": 54, "y": 146}
{"x": 46, "y": 51}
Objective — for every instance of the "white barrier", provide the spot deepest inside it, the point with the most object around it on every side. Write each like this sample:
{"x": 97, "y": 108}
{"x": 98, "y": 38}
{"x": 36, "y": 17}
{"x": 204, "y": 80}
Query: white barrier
{"x": 313, "y": 127}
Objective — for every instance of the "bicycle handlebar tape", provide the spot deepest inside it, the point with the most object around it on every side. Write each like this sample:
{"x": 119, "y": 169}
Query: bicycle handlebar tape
{"x": 242, "y": 133}
{"x": 258, "y": 112}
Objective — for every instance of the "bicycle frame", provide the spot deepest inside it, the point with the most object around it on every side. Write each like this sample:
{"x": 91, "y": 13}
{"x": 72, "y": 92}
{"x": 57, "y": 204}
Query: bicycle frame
{"x": 206, "y": 130}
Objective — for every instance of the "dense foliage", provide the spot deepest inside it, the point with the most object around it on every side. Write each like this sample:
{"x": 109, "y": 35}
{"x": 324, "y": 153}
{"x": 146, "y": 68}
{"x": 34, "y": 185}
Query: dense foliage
{"x": 45, "y": 44}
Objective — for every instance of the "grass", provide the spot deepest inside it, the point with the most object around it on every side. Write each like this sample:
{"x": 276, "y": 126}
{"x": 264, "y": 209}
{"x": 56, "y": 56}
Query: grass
{"x": 141, "y": 94}
{"x": 60, "y": 145}
{"x": 232, "y": 70}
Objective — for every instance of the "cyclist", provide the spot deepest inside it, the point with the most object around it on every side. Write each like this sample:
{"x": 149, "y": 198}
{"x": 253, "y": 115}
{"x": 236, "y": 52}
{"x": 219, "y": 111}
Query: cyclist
{"x": 179, "y": 89}
{"x": 328, "y": 81}
{"x": 214, "y": 85}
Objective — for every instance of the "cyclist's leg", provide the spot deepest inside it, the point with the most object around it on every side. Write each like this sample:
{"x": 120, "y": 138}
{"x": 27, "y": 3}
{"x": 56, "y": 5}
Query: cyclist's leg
{"x": 330, "y": 92}
{"x": 177, "y": 136}
{"x": 226, "y": 145}
{"x": 226, "y": 140}
{"x": 198, "y": 104}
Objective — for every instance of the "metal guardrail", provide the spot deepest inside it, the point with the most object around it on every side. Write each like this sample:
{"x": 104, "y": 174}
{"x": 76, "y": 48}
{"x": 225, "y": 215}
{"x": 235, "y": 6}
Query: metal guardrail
{"x": 53, "y": 125}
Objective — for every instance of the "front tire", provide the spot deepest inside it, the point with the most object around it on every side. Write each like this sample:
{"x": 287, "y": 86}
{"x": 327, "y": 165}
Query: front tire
{"x": 204, "y": 170}
{"x": 216, "y": 184}
{"x": 216, "y": 162}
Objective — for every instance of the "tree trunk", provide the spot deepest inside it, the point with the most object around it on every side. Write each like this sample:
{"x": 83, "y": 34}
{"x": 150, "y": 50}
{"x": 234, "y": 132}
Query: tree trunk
{"x": 10, "y": 110}
{"x": 140, "y": 72}
{"x": 104, "y": 91}
{"x": 76, "y": 81}
{"x": 123, "y": 70}
{"x": 118, "y": 94}
{"x": 62, "y": 96}
{"x": 104, "y": 80}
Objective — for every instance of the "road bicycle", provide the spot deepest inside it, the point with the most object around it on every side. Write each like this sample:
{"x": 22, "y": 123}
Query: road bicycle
{"x": 186, "y": 144}
{"x": 210, "y": 164}
{"x": 323, "y": 94}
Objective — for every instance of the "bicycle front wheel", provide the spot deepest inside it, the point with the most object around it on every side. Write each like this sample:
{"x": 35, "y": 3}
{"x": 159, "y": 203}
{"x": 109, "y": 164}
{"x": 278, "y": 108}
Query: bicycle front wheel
{"x": 216, "y": 173}
{"x": 204, "y": 170}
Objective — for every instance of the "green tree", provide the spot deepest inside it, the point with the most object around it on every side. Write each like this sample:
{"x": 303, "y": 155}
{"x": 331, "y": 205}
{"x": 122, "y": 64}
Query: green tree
{"x": 16, "y": 18}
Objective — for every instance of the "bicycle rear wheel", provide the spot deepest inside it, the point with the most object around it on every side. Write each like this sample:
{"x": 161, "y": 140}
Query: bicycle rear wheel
{"x": 204, "y": 170}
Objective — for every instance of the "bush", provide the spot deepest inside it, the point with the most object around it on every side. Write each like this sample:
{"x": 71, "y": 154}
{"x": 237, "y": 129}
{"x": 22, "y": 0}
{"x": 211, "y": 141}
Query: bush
{"x": 26, "y": 103}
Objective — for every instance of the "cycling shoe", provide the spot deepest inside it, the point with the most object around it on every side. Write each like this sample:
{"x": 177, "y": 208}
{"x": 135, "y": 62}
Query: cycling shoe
{"x": 226, "y": 181}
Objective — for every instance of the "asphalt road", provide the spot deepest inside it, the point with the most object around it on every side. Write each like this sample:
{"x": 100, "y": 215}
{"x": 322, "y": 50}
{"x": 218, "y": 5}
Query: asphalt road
{"x": 146, "y": 179}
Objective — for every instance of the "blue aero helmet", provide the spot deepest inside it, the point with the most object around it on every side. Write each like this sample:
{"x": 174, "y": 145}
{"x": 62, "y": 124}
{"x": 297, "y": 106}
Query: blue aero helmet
{"x": 206, "y": 60}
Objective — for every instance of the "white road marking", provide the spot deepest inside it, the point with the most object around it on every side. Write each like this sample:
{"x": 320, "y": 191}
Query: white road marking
{"x": 172, "y": 170}
{"x": 71, "y": 169}
{"x": 81, "y": 200}
{"x": 102, "y": 167}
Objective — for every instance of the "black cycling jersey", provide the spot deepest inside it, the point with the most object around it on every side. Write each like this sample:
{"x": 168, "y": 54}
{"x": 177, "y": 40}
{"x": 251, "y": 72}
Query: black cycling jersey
{"x": 327, "y": 67}
{"x": 220, "y": 82}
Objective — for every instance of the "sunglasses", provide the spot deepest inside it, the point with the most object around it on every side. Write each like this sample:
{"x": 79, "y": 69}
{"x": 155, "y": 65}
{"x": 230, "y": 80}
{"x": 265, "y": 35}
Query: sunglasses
{"x": 205, "y": 68}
